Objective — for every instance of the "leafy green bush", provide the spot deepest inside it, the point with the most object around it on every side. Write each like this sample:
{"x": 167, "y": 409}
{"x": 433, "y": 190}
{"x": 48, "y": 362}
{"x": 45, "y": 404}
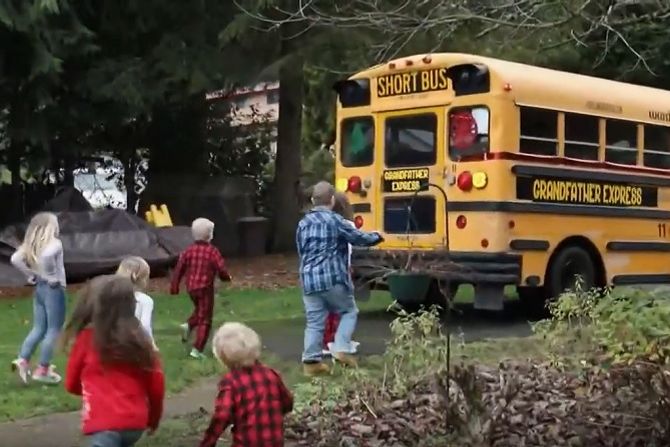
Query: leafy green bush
{"x": 608, "y": 327}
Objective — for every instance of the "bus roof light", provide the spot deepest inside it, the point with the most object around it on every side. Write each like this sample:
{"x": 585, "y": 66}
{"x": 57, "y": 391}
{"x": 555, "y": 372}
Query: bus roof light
{"x": 392, "y": 65}
{"x": 409, "y": 62}
{"x": 427, "y": 59}
{"x": 464, "y": 181}
{"x": 507, "y": 87}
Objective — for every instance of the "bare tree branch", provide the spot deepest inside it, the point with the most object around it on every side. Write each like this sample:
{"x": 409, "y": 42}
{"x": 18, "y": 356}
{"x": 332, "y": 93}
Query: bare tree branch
{"x": 397, "y": 23}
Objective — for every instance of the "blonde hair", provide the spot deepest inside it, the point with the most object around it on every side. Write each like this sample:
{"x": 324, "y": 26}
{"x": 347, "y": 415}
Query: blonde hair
{"x": 42, "y": 230}
{"x": 236, "y": 345}
{"x": 136, "y": 269}
{"x": 202, "y": 229}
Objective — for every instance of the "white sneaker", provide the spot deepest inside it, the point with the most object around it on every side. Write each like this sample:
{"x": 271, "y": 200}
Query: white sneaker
{"x": 353, "y": 347}
{"x": 47, "y": 375}
{"x": 22, "y": 367}
{"x": 185, "y": 332}
{"x": 326, "y": 352}
{"x": 195, "y": 354}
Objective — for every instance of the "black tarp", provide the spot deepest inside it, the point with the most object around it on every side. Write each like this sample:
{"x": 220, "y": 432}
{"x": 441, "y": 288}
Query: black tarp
{"x": 94, "y": 242}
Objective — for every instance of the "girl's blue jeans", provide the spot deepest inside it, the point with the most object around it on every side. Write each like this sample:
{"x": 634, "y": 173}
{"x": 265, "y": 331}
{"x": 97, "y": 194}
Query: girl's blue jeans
{"x": 48, "y": 319}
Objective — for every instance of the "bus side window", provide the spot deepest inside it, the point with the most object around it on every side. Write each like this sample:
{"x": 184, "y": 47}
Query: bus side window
{"x": 657, "y": 146}
{"x": 581, "y": 136}
{"x": 538, "y": 133}
{"x": 621, "y": 142}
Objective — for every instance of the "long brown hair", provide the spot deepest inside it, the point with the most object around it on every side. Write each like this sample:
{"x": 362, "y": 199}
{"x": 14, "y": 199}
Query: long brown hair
{"x": 82, "y": 315}
{"x": 118, "y": 335}
{"x": 343, "y": 206}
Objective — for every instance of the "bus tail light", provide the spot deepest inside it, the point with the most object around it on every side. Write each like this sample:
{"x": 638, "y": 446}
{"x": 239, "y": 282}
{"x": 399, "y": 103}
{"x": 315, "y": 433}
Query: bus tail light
{"x": 461, "y": 222}
{"x": 342, "y": 184}
{"x": 354, "y": 184}
{"x": 480, "y": 180}
{"x": 358, "y": 221}
{"x": 464, "y": 181}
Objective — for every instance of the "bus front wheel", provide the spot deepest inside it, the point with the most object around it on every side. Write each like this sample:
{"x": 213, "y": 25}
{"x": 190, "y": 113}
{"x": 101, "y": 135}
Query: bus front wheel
{"x": 570, "y": 265}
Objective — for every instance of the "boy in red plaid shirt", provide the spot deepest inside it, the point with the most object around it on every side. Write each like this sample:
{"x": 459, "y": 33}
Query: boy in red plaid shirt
{"x": 200, "y": 264}
{"x": 252, "y": 397}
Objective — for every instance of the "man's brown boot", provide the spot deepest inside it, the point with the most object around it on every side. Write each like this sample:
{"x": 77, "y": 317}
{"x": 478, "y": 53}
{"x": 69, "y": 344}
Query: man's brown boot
{"x": 345, "y": 359}
{"x": 315, "y": 369}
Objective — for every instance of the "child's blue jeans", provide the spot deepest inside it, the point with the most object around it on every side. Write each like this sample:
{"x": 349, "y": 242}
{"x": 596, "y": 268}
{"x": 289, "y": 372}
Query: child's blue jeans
{"x": 48, "y": 319}
{"x": 125, "y": 438}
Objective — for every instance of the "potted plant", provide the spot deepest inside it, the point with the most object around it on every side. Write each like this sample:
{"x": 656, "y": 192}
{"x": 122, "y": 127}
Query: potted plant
{"x": 408, "y": 284}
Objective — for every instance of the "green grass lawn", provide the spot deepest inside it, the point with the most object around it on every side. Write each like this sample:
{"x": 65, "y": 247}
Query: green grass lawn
{"x": 18, "y": 401}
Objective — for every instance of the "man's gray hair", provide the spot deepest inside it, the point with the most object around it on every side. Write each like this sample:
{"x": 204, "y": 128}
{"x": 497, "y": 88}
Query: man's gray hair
{"x": 322, "y": 194}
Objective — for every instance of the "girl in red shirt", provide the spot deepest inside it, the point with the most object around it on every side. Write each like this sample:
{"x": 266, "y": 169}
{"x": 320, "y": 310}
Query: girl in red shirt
{"x": 113, "y": 365}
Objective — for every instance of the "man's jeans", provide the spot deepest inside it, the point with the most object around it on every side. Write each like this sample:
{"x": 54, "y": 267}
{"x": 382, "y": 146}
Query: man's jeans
{"x": 125, "y": 438}
{"x": 338, "y": 300}
{"x": 48, "y": 319}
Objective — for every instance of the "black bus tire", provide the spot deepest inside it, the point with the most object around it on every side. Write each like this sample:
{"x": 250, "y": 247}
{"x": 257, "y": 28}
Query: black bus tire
{"x": 566, "y": 265}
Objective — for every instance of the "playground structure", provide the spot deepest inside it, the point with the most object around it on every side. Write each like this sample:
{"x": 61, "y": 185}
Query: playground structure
{"x": 158, "y": 217}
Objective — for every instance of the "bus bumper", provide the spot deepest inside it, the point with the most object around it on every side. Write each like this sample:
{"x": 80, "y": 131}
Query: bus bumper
{"x": 488, "y": 272}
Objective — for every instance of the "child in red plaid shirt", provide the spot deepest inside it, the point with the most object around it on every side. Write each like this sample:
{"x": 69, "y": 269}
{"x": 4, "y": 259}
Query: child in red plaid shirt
{"x": 252, "y": 397}
{"x": 200, "y": 264}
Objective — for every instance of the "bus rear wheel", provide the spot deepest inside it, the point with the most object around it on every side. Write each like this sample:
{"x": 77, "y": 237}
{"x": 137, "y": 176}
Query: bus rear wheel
{"x": 570, "y": 265}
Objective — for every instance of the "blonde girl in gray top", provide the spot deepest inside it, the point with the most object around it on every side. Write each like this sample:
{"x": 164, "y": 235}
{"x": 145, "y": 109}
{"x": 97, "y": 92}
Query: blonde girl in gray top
{"x": 40, "y": 258}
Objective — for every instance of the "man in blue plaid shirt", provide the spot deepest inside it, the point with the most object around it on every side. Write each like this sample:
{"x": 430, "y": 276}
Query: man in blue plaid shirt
{"x": 323, "y": 239}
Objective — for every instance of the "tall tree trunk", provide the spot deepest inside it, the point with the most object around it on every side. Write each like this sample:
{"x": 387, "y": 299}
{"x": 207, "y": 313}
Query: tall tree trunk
{"x": 14, "y": 165}
{"x": 69, "y": 166}
{"x": 129, "y": 170}
{"x": 288, "y": 161}
{"x": 15, "y": 149}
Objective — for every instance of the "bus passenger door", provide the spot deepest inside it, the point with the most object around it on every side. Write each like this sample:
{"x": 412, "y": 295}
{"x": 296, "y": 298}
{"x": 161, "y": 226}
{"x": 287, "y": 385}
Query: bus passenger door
{"x": 410, "y": 213}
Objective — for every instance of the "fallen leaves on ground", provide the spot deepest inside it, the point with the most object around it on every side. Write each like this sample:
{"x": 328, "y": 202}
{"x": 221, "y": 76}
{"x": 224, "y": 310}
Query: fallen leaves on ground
{"x": 515, "y": 405}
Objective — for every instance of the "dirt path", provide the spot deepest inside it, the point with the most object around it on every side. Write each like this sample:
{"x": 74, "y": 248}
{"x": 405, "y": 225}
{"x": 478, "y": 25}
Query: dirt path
{"x": 62, "y": 429}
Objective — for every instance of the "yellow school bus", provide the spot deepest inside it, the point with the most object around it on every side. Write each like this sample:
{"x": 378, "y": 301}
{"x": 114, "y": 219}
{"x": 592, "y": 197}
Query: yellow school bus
{"x": 547, "y": 176}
